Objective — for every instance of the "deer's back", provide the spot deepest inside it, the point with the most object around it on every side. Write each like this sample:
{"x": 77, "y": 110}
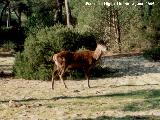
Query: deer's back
{"x": 76, "y": 59}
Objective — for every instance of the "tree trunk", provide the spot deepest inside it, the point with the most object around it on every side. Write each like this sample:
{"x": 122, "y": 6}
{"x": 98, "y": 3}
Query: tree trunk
{"x": 2, "y": 12}
{"x": 110, "y": 27}
{"x": 68, "y": 13}
{"x": 58, "y": 13}
{"x": 142, "y": 9}
{"x": 118, "y": 31}
{"x": 8, "y": 16}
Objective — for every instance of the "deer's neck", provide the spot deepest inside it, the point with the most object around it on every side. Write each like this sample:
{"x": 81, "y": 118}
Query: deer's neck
{"x": 97, "y": 54}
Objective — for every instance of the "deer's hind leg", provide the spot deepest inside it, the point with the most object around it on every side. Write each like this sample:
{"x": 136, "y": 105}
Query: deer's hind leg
{"x": 55, "y": 74}
{"x": 63, "y": 69}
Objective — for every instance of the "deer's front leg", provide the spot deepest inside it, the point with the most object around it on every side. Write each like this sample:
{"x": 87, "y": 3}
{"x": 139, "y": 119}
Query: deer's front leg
{"x": 86, "y": 72}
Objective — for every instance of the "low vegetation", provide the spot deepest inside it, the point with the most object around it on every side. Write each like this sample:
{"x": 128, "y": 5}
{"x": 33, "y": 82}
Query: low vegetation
{"x": 35, "y": 62}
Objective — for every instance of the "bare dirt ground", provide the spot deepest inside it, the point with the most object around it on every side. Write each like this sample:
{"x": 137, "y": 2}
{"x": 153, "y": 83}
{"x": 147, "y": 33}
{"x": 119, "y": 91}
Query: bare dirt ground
{"x": 131, "y": 92}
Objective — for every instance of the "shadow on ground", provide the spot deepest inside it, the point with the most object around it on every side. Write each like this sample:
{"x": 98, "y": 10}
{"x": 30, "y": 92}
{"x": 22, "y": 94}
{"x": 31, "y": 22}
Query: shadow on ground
{"x": 131, "y": 66}
{"x": 6, "y": 74}
{"x": 151, "y": 99}
{"x": 123, "y": 118}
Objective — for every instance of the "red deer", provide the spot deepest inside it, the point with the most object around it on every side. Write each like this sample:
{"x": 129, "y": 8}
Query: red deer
{"x": 85, "y": 60}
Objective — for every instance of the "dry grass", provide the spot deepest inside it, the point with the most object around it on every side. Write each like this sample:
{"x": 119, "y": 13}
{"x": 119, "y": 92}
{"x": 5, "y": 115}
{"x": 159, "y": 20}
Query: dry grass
{"x": 36, "y": 100}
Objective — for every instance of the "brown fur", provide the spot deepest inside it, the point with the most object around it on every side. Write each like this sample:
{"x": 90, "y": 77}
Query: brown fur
{"x": 70, "y": 60}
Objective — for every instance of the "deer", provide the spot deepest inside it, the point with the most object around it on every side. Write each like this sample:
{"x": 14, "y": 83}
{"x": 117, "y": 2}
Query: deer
{"x": 84, "y": 60}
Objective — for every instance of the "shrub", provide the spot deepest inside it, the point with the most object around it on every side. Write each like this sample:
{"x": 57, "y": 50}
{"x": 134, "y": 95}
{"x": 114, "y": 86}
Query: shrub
{"x": 152, "y": 54}
{"x": 34, "y": 62}
{"x": 22, "y": 68}
{"x": 8, "y": 46}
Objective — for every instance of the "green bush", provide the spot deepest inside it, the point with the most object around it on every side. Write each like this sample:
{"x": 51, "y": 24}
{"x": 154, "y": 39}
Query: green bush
{"x": 22, "y": 68}
{"x": 152, "y": 54}
{"x": 34, "y": 62}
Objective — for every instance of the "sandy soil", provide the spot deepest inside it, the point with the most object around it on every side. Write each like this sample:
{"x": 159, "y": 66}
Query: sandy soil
{"x": 133, "y": 92}
{"x": 6, "y": 64}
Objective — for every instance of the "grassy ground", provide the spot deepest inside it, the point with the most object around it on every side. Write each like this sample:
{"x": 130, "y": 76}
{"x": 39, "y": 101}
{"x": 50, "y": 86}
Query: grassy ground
{"x": 24, "y": 100}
